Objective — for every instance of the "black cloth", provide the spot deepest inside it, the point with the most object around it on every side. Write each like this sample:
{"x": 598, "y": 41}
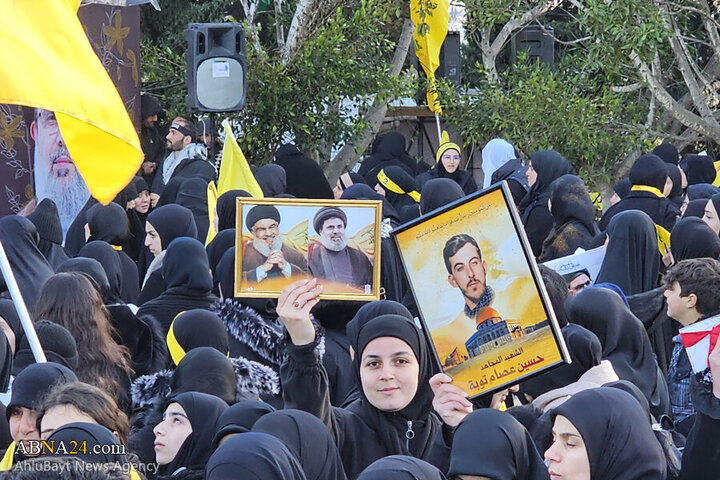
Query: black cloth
{"x": 307, "y": 439}
{"x": 240, "y": 418}
{"x": 462, "y": 178}
{"x": 649, "y": 170}
{"x": 272, "y": 179}
{"x": 632, "y": 259}
{"x": 47, "y": 222}
{"x": 698, "y": 169}
{"x": 360, "y": 191}
{"x": 536, "y": 217}
{"x": 104, "y": 254}
{"x": 701, "y": 190}
{"x": 624, "y": 342}
{"x": 622, "y": 187}
{"x": 194, "y": 167}
{"x": 401, "y": 467}
{"x": 361, "y": 269}
{"x": 193, "y": 196}
{"x": 57, "y": 343}
{"x": 187, "y": 283}
{"x": 362, "y": 432}
{"x": 692, "y": 238}
{"x": 667, "y": 152}
{"x": 10, "y": 315}
{"x": 168, "y": 195}
{"x": 142, "y": 337}
{"x": 204, "y": 369}
{"x": 19, "y": 239}
{"x": 108, "y": 223}
{"x": 574, "y": 219}
{"x": 199, "y": 328}
{"x": 618, "y": 438}
{"x": 650, "y": 308}
{"x": 93, "y": 269}
{"x": 676, "y": 193}
{"x": 585, "y": 353}
{"x": 202, "y": 411}
{"x": 253, "y": 456}
{"x": 226, "y": 208}
{"x": 388, "y": 149}
{"x": 218, "y": 246}
{"x": 75, "y": 236}
{"x": 33, "y": 383}
{"x": 94, "y": 439}
{"x": 134, "y": 244}
{"x": 305, "y": 178}
{"x": 504, "y": 451}
{"x": 514, "y": 173}
{"x": 224, "y": 276}
{"x": 406, "y": 182}
{"x": 695, "y": 208}
{"x": 439, "y": 192}
{"x": 701, "y": 457}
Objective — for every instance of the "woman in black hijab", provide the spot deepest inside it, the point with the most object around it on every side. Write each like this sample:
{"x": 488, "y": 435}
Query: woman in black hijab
{"x": 105, "y": 255}
{"x": 391, "y": 417}
{"x": 187, "y": 282}
{"x": 196, "y": 328}
{"x": 183, "y": 439}
{"x": 701, "y": 190}
{"x": 437, "y": 193}
{"x": 398, "y": 187}
{"x": 218, "y": 246}
{"x": 226, "y": 209}
{"x": 447, "y": 165}
{"x": 347, "y": 180}
{"x": 163, "y": 225}
{"x": 632, "y": 259}
{"x": 711, "y": 216}
{"x": 272, "y": 179}
{"x": 698, "y": 169}
{"x": 545, "y": 167}
{"x": 253, "y": 456}
{"x": 47, "y": 222}
{"x": 110, "y": 224}
{"x": 95, "y": 441}
{"x": 19, "y": 238}
{"x": 361, "y": 191}
{"x": 401, "y": 467}
{"x": 387, "y": 149}
{"x": 574, "y": 216}
{"x": 307, "y": 439}
{"x": 57, "y": 342}
{"x": 692, "y": 238}
{"x": 193, "y": 196}
{"x": 610, "y": 427}
{"x": 504, "y": 451}
{"x": 621, "y": 188}
{"x": 9, "y": 314}
{"x": 305, "y": 178}
{"x": 676, "y": 193}
{"x": 624, "y": 342}
{"x": 239, "y": 418}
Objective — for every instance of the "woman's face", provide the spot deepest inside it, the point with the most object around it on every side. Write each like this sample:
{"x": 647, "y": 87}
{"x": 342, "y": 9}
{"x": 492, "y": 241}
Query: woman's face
{"x": 531, "y": 175}
{"x": 567, "y": 457}
{"x": 142, "y": 202}
{"x": 337, "y": 191}
{"x": 60, "y": 415}
{"x": 711, "y": 217}
{"x": 614, "y": 199}
{"x": 668, "y": 186}
{"x": 389, "y": 373}
{"x": 152, "y": 239}
{"x": 171, "y": 433}
{"x": 450, "y": 160}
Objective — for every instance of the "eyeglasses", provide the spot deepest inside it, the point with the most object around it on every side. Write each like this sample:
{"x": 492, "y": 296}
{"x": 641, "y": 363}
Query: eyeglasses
{"x": 262, "y": 230}
{"x": 581, "y": 287}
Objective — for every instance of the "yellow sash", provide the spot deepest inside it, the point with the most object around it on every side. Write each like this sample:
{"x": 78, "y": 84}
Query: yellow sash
{"x": 394, "y": 187}
{"x": 646, "y": 188}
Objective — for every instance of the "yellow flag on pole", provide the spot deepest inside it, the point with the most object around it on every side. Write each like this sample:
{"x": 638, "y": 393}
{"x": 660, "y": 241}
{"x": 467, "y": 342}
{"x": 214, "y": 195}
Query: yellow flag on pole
{"x": 212, "y": 196}
{"x": 431, "y": 19}
{"x": 234, "y": 169}
{"x": 49, "y": 63}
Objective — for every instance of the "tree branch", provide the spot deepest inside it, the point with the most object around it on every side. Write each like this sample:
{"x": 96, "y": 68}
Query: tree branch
{"x": 297, "y": 29}
{"x": 279, "y": 33}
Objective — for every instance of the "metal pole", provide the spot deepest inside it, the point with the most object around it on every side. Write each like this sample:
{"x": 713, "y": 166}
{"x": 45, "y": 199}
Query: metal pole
{"x": 212, "y": 138}
{"x": 437, "y": 122}
{"x": 27, "y": 324}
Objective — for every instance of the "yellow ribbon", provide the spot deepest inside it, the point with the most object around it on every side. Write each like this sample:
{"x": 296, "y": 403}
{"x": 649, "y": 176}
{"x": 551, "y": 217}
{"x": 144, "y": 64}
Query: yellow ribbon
{"x": 116, "y": 247}
{"x": 176, "y": 351}
{"x": 646, "y": 188}
{"x": 7, "y": 461}
{"x": 394, "y": 187}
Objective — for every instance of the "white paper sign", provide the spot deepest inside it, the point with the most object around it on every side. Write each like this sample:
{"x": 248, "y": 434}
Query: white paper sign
{"x": 590, "y": 260}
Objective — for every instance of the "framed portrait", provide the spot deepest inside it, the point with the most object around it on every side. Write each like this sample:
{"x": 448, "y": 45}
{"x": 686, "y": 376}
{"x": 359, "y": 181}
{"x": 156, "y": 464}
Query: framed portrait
{"x": 282, "y": 240}
{"x": 479, "y": 292}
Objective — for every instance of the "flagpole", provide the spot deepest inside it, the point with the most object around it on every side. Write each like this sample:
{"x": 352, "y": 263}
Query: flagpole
{"x": 439, "y": 131}
{"x": 27, "y": 324}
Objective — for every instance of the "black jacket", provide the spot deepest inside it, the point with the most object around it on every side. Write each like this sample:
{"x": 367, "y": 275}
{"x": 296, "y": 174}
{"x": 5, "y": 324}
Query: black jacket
{"x": 659, "y": 209}
{"x": 701, "y": 458}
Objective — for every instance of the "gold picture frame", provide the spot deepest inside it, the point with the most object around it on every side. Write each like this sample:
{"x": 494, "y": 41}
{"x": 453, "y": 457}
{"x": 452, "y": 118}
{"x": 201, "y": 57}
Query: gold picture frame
{"x": 277, "y": 243}
{"x": 481, "y": 299}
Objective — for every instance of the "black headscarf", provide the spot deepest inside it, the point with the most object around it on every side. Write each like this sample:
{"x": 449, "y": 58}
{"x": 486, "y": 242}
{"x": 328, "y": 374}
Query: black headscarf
{"x": 570, "y": 201}
{"x": 439, "y": 192}
{"x": 624, "y": 341}
{"x": 205, "y": 370}
{"x": 240, "y": 418}
{"x": 695, "y": 208}
{"x": 219, "y": 245}
{"x": 168, "y": 196}
{"x": 305, "y": 178}
{"x": 253, "y": 456}
{"x": 224, "y": 277}
{"x": 677, "y": 191}
{"x": 649, "y": 170}
{"x": 504, "y": 450}
{"x": 549, "y": 166}
{"x": 226, "y": 208}
{"x": 632, "y": 259}
{"x": 622, "y": 187}
{"x": 57, "y": 342}
{"x": 692, "y": 238}
{"x": 668, "y": 153}
{"x": 406, "y": 182}
{"x": 8, "y": 312}
{"x": 75, "y": 236}
{"x": 401, "y": 467}
{"x": 360, "y": 191}
{"x": 715, "y": 199}
{"x": 19, "y": 238}
{"x": 89, "y": 436}
{"x": 698, "y": 169}
{"x": 47, "y": 221}
{"x": 197, "y": 328}
{"x": 93, "y": 269}
{"x": 372, "y": 310}
{"x": 272, "y": 179}
{"x": 701, "y": 190}
{"x": 110, "y": 261}
{"x": 585, "y": 353}
{"x": 618, "y": 438}
{"x": 171, "y": 222}
{"x": 109, "y": 223}
{"x": 32, "y": 384}
{"x": 308, "y": 439}
{"x": 388, "y": 149}
{"x": 202, "y": 411}
{"x": 193, "y": 196}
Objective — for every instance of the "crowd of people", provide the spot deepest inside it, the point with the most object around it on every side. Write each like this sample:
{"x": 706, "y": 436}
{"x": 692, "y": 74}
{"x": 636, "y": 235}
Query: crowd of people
{"x": 156, "y": 371}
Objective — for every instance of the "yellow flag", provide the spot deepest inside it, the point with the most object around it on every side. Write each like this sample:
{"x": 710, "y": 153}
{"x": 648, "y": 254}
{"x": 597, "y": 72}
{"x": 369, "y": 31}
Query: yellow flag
{"x": 431, "y": 19}
{"x": 211, "y": 202}
{"x": 663, "y": 237}
{"x": 49, "y": 63}
{"x": 235, "y": 172}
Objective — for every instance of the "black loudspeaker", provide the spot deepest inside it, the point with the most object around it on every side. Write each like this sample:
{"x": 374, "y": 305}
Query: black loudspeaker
{"x": 537, "y": 41}
{"x": 450, "y": 58}
{"x": 215, "y": 78}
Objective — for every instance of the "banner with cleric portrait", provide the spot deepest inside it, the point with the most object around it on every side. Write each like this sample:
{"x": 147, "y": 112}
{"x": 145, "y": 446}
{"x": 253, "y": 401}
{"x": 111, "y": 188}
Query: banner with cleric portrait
{"x": 480, "y": 296}
{"x": 281, "y": 241}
